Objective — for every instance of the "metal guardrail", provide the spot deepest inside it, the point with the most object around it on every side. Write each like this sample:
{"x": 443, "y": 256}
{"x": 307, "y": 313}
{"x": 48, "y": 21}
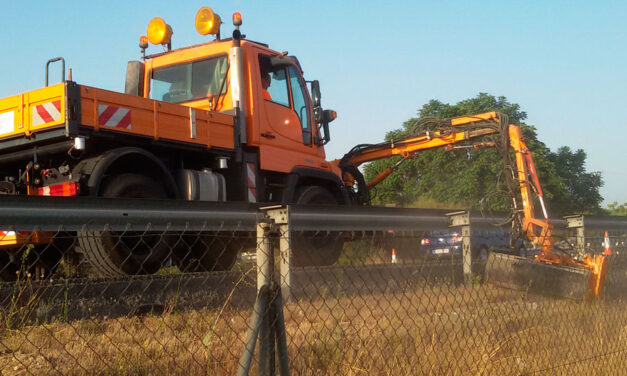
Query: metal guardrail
{"x": 25, "y": 213}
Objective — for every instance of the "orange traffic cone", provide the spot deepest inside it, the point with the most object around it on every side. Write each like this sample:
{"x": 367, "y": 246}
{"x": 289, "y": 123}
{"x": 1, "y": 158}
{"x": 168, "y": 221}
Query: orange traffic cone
{"x": 607, "y": 246}
{"x": 393, "y": 255}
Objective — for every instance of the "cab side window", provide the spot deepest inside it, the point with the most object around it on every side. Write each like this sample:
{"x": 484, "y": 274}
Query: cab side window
{"x": 273, "y": 82}
{"x": 301, "y": 103}
{"x": 278, "y": 88}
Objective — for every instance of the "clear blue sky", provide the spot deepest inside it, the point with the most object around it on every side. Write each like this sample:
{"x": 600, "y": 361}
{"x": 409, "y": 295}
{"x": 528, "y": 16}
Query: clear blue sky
{"x": 564, "y": 62}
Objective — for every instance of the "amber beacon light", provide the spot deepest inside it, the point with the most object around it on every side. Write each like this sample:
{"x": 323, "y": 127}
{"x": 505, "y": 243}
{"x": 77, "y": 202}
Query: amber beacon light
{"x": 159, "y": 32}
{"x": 207, "y": 22}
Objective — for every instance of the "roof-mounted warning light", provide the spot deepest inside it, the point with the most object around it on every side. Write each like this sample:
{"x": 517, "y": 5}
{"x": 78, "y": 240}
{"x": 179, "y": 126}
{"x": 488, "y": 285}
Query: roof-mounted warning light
{"x": 237, "y": 19}
{"x": 237, "y": 22}
{"x": 143, "y": 44}
{"x": 160, "y": 33}
{"x": 207, "y": 22}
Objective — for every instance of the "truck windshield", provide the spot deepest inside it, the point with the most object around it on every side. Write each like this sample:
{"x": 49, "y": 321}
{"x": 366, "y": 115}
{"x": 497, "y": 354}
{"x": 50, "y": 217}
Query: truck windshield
{"x": 189, "y": 81}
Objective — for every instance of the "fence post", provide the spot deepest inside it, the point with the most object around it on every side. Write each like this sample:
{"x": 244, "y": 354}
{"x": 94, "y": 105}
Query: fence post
{"x": 265, "y": 261}
{"x": 265, "y": 268}
{"x": 281, "y": 217}
{"x": 462, "y": 219}
{"x": 577, "y": 222}
{"x": 263, "y": 320}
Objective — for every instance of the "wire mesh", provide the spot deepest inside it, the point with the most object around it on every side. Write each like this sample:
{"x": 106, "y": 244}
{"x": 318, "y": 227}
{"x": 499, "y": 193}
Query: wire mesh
{"x": 151, "y": 301}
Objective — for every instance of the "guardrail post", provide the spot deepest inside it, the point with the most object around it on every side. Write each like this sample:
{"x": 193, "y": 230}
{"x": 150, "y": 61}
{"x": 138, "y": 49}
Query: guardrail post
{"x": 577, "y": 222}
{"x": 265, "y": 261}
{"x": 262, "y": 322}
{"x": 271, "y": 332}
{"x": 462, "y": 219}
{"x": 281, "y": 217}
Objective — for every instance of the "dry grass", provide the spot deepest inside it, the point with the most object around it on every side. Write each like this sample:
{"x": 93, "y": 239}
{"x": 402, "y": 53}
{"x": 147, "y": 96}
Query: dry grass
{"x": 409, "y": 329}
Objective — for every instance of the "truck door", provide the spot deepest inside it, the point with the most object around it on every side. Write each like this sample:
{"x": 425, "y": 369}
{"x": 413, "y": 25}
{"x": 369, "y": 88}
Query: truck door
{"x": 286, "y": 120}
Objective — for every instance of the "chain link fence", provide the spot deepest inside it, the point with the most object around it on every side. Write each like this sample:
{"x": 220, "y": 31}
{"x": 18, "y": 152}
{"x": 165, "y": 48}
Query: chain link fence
{"x": 225, "y": 290}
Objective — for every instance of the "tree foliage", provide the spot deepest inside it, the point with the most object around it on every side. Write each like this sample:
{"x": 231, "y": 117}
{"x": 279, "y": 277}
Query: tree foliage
{"x": 616, "y": 209}
{"x": 582, "y": 188}
{"x": 475, "y": 178}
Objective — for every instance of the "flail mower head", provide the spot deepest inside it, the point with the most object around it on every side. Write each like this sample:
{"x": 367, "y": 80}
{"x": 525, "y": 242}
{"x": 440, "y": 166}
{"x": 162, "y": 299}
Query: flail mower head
{"x": 577, "y": 280}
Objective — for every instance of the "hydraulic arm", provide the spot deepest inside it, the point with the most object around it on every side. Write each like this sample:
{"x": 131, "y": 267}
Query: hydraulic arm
{"x": 472, "y": 132}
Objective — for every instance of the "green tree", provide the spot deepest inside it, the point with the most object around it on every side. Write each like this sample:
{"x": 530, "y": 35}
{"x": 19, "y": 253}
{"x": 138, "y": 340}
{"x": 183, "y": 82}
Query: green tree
{"x": 616, "y": 209}
{"x": 468, "y": 178}
{"x": 582, "y": 187}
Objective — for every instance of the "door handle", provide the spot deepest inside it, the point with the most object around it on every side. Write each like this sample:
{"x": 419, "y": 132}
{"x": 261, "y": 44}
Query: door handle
{"x": 268, "y": 135}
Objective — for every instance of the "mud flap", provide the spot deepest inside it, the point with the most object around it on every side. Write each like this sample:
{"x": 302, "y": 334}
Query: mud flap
{"x": 536, "y": 277}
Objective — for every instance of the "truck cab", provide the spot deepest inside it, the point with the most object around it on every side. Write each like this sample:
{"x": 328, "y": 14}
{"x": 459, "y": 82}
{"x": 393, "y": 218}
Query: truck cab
{"x": 277, "y": 122}
{"x": 281, "y": 125}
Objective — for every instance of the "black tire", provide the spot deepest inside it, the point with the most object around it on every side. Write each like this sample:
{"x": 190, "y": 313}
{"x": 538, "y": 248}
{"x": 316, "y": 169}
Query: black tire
{"x": 316, "y": 248}
{"x": 208, "y": 252}
{"x": 115, "y": 254}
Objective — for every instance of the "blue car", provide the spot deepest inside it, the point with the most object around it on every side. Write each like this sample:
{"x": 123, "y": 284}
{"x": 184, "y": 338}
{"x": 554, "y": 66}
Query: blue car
{"x": 442, "y": 244}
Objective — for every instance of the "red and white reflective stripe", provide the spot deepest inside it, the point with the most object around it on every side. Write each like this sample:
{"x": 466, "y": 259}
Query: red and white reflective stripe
{"x": 111, "y": 116}
{"x": 7, "y": 233}
{"x": 7, "y": 122}
{"x": 71, "y": 188}
{"x": 47, "y": 113}
{"x": 252, "y": 185}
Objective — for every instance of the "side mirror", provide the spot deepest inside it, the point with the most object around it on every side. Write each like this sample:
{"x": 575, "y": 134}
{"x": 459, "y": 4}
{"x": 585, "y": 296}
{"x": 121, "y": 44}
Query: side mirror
{"x": 323, "y": 118}
{"x": 315, "y": 93}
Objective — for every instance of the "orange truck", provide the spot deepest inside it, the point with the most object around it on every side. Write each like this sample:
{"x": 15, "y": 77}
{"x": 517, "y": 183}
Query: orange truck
{"x": 226, "y": 120}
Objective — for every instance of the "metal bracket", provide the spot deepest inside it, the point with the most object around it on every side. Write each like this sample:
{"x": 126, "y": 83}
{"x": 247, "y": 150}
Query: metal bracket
{"x": 574, "y": 221}
{"x": 278, "y": 213}
{"x": 577, "y": 222}
{"x": 460, "y": 218}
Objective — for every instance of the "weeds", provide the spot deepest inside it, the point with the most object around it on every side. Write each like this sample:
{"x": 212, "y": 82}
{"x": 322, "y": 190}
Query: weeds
{"x": 428, "y": 329}
{"x": 24, "y": 300}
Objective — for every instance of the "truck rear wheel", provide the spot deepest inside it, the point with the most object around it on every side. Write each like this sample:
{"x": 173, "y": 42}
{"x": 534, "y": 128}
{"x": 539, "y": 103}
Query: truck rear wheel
{"x": 114, "y": 253}
{"x": 316, "y": 248}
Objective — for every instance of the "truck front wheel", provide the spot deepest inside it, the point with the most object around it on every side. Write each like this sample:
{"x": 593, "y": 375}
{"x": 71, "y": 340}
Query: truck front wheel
{"x": 113, "y": 253}
{"x": 208, "y": 252}
{"x": 316, "y": 248}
